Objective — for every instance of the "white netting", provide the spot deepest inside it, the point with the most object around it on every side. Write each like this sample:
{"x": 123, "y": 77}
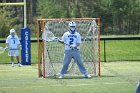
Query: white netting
{"x": 54, "y": 51}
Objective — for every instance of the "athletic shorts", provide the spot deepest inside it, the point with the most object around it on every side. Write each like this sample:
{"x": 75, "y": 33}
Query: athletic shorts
{"x": 13, "y": 52}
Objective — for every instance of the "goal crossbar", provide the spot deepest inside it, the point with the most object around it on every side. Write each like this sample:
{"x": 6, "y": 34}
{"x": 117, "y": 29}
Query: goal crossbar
{"x": 52, "y": 19}
{"x": 40, "y": 28}
{"x": 12, "y": 4}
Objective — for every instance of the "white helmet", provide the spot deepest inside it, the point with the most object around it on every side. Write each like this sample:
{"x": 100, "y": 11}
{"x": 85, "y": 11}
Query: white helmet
{"x": 72, "y": 27}
{"x": 12, "y": 32}
{"x": 72, "y": 23}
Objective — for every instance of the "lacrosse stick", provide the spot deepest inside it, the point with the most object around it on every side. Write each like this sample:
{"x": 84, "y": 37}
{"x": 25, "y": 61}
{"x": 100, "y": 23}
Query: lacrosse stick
{"x": 2, "y": 50}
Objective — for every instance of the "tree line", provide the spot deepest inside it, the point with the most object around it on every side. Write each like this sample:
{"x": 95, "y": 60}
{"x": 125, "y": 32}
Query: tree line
{"x": 118, "y": 17}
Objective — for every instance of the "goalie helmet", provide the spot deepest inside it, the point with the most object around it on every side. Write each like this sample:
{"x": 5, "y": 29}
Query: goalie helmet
{"x": 72, "y": 27}
{"x": 12, "y": 32}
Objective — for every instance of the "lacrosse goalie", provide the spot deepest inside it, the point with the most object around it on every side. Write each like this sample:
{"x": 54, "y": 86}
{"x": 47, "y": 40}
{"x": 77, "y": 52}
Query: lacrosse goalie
{"x": 72, "y": 40}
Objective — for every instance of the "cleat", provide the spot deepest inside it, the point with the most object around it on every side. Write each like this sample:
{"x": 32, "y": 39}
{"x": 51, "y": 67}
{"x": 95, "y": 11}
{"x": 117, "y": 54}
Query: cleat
{"x": 19, "y": 65}
{"x": 12, "y": 64}
{"x": 61, "y": 76}
{"x": 87, "y": 76}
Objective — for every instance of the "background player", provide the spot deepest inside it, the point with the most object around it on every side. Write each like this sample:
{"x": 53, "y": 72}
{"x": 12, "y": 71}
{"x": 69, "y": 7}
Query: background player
{"x": 13, "y": 45}
{"x": 73, "y": 38}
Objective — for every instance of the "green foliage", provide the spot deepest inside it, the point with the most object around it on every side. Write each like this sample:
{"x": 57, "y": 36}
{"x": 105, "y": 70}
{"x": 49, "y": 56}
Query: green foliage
{"x": 4, "y": 23}
{"x": 8, "y": 21}
{"x": 120, "y": 17}
{"x": 64, "y": 8}
{"x": 52, "y": 9}
{"x": 117, "y": 16}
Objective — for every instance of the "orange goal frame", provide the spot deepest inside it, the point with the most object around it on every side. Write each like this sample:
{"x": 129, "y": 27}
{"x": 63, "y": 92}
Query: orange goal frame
{"x": 40, "y": 42}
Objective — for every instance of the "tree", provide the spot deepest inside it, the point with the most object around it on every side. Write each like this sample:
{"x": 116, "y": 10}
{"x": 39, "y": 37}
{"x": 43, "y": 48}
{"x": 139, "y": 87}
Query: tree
{"x": 120, "y": 16}
{"x": 7, "y": 22}
{"x": 52, "y": 9}
{"x": 66, "y": 8}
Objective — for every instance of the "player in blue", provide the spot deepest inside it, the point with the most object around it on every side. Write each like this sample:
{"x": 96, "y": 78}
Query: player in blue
{"x": 72, "y": 40}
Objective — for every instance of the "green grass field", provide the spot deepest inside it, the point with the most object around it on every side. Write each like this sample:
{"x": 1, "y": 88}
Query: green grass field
{"x": 116, "y": 77}
{"x": 115, "y": 50}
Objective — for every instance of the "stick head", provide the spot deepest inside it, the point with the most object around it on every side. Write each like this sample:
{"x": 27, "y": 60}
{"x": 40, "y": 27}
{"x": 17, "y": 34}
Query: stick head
{"x": 48, "y": 36}
{"x": 2, "y": 50}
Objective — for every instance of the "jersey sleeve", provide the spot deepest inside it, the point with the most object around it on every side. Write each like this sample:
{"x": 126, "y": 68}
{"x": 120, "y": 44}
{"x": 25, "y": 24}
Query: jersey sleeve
{"x": 7, "y": 40}
{"x": 78, "y": 38}
{"x": 18, "y": 42}
{"x": 64, "y": 38}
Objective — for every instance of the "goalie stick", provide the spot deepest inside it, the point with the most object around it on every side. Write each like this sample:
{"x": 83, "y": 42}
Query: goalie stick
{"x": 92, "y": 28}
{"x": 49, "y": 36}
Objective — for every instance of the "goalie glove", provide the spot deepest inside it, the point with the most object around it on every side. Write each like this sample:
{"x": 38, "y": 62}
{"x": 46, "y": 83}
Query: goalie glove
{"x": 73, "y": 47}
{"x": 59, "y": 40}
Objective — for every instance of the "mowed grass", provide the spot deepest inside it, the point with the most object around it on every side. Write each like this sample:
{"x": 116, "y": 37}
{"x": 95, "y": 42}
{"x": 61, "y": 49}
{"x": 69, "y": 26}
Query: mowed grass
{"x": 115, "y": 50}
{"x": 121, "y": 50}
{"x": 4, "y": 58}
{"x": 116, "y": 77}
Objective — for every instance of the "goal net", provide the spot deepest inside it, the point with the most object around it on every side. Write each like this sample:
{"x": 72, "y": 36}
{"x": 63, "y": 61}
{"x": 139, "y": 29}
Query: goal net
{"x": 50, "y": 53}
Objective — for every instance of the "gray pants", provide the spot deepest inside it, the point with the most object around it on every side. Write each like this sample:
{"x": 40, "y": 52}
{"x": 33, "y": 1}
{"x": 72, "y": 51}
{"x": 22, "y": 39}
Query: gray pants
{"x": 75, "y": 54}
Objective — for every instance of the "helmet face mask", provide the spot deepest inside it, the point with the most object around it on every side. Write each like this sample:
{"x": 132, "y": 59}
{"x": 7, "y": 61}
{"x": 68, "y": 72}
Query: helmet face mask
{"x": 12, "y": 32}
{"x": 72, "y": 27}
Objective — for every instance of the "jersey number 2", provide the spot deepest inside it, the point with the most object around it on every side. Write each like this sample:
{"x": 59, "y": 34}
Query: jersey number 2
{"x": 71, "y": 41}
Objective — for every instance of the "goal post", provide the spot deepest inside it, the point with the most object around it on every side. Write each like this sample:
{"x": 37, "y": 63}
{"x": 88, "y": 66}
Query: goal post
{"x": 50, "y": 54}
{"x": 18, "y": 4}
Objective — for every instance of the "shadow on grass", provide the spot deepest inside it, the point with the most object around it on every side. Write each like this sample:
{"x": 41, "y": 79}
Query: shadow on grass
{"x": 68, "y": 77}
{"x": 79, "y": 77}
